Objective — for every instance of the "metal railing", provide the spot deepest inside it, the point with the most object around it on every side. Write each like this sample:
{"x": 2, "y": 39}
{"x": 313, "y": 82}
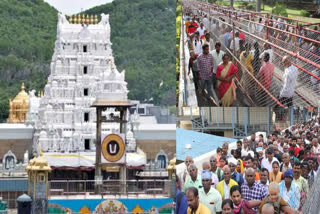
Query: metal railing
{"x": 298, "y": 43}
{"x": 150, "y": 187}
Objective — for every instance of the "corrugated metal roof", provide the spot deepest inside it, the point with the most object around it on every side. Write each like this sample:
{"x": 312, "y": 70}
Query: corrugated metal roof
{"x": 200, "y": 143}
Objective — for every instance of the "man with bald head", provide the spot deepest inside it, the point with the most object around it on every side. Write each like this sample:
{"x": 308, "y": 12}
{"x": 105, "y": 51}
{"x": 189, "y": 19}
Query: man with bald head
{"x": 252, "y": 189}
{"x": 267, "y": 209}
{"x": 289, "y": 79}
{"x": 194, "y": 180}
{"x": 215, "y": 169}
{"x": 185, "y": 174}
{"x": 225, "y": 185}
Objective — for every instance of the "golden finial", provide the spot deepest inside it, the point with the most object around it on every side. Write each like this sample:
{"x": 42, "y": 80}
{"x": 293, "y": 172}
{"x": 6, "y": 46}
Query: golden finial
{"x": 91, "y": 19}
{"x": 22, "y": 86}
{"x": 96, "y": 19}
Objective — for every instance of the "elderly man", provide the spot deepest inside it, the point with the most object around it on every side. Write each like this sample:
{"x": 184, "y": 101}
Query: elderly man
{"x": 215, "y": 169}
{"x": 252, "y": 190}
{"x": 195, "y": 207}
{"x": 194, "y": 180}
{"x": 208, "y": 195}
{"x": 268, "y": 50}
{"x": 235, "y": 175}
{"x": 281, "y": 143}
{"x": 188, "y": 160}
{"x": 289, "y": 191}
{"x": 225, "y": 185}
{"x": 214, "y": 178}
{"x": 289, "y": 82}
{"x": 285, "y": 165}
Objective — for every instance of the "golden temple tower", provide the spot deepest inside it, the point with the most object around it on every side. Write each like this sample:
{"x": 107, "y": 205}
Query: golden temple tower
{"x": 19, "y": 107}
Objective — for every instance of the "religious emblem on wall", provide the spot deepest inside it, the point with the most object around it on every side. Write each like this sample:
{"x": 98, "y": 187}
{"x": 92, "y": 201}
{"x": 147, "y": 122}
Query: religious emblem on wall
{"x": 111, "y": 207}
{"x": 113, "y": 149}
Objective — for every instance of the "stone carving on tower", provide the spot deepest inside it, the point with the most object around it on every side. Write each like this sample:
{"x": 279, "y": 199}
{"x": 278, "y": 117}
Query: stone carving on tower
{"x": 82, "y": 70}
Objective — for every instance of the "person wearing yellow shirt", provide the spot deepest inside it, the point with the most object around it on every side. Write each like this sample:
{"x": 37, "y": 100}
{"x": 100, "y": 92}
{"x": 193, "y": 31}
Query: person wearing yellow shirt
{"x": 195, "y": 207}
{"x": 225, "y": 185}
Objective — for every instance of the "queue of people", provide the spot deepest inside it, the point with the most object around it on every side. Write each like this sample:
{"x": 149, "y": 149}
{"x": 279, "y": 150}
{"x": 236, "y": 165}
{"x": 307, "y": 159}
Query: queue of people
{"x": 251, "y": 64}
{"x": 271, "y": 175}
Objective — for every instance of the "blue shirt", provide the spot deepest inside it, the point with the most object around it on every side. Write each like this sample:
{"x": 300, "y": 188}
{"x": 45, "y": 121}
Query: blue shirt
{"x": 183, "y": 203}
{"x": 238, "y": 178}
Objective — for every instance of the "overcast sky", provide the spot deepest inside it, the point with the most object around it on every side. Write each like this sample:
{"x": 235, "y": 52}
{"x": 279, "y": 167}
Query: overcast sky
{"x": 69, "y": 7}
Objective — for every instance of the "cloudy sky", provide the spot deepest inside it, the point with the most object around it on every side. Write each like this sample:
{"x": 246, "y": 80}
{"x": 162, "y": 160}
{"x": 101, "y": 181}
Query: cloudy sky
{"x": 69, "y": 7}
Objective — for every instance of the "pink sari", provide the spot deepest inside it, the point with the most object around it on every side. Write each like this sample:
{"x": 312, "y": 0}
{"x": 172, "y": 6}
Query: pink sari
{"x": 227, "y": 90}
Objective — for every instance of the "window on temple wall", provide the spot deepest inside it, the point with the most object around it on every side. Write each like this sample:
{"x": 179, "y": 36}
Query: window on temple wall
{"x": 84, "y": 48}
{"x": 85, "y": 92}
{"x": 87, "y": 144}
{"x": 86, "y": 117}
{"x": 85, "y": 69}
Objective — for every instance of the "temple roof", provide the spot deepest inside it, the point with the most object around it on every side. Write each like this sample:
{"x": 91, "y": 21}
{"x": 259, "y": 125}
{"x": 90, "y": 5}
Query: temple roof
{"x": 22, "y": 96}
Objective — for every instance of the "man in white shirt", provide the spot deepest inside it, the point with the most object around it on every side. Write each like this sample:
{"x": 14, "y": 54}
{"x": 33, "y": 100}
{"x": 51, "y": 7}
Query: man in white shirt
{"x": 197, "y": 44}
{"x": 209, "y": 41}
{"x": 267, "y": 162}
{"x": 208, "y": 195}
{"x": 289, "y": 82}
{"x": 206, "y": 22}
{"x": 217, "y": 59}
{"x": 236, "y": 42}
{"x": 267, "y": 50}
{"x": 201, "y": 30}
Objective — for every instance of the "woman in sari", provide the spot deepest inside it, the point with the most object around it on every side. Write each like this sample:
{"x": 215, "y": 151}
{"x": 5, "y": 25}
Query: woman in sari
{"x": 226, "y": 71}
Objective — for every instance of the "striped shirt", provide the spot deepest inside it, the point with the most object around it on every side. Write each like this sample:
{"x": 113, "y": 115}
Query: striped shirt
{"x": 205, "y": 66}
{"x": 256, "y": 192}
